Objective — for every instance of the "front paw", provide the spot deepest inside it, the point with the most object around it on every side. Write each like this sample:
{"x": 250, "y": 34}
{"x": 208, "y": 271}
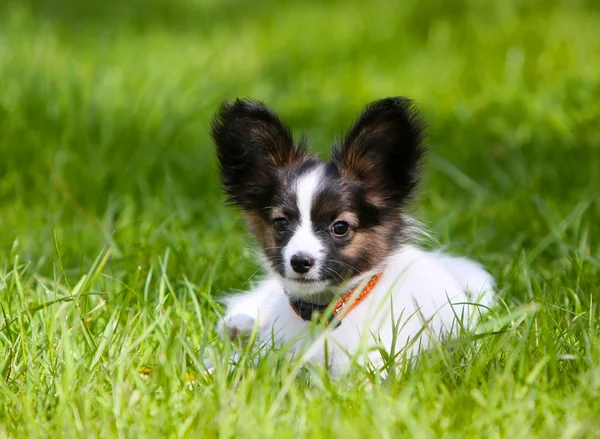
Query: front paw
{"x": 236, "y": 327}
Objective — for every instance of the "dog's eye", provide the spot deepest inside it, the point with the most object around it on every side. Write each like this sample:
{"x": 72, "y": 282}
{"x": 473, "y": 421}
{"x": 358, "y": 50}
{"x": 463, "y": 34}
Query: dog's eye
{"x": 340, "y": 228}
{"x": 280, "y": 224}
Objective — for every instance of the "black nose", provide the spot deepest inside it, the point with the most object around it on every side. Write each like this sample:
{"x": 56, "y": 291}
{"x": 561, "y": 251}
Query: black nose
{"x": 302, "y": 263}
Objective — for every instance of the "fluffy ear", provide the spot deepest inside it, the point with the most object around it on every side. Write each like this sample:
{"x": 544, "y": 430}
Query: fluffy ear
{"x": 253, "y": 144}
{"x": 383, "y": 150}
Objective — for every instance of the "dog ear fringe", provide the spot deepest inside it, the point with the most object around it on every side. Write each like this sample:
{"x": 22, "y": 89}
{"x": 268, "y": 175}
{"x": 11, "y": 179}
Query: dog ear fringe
{"x": 384, "y": 150}
{"x": 252, "y": 143}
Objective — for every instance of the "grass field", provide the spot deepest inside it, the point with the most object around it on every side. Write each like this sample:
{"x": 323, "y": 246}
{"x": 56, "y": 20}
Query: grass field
{"x": 115, "y": 244}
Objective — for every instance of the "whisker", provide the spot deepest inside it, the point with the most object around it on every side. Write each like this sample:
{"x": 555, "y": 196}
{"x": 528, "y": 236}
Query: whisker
{"x": 343, "y": 263}
{"x": 335, "y": 273}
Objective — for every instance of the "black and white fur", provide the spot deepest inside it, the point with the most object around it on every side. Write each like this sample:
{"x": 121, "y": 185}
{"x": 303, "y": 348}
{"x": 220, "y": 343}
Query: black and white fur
{"x": 325, "y": 227}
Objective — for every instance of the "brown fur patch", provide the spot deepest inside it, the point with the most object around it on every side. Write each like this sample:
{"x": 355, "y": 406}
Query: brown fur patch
{"x": 374, "y": 244}
{"x": 260, "y": 229}
{"x": 350, "y": 217}
{"x": 371, "y": 242}
{"x": 357, "y": 163}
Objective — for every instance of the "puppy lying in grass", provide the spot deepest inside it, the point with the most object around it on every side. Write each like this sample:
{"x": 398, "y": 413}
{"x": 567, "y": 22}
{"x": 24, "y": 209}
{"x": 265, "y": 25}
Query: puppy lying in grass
{"x": 335, "y": 238}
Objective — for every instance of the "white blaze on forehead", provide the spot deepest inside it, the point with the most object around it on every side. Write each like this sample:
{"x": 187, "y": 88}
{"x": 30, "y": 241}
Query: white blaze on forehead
{"x": 304, "y": 239}
{"x": 305, "y": 190}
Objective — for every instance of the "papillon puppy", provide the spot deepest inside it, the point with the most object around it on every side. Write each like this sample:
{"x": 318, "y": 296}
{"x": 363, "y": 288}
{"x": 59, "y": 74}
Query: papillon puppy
{"x": 336, "y": 238}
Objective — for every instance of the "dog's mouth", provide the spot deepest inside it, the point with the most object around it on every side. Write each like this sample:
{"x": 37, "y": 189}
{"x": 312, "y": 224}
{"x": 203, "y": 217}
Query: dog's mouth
{"x": 306, "y": 281}
{"x": 314, "y": 283}
{"x": 307, "y": 278}
{"x": 302, "y": 287}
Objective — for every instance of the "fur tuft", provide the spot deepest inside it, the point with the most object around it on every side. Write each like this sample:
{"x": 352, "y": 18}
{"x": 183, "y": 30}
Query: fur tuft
{"x": 383, "y": 150}
{"x": 253, "y": 145}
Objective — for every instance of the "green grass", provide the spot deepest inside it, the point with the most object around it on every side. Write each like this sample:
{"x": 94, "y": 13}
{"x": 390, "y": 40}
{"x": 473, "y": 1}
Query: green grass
{"x": 115, "y": 244}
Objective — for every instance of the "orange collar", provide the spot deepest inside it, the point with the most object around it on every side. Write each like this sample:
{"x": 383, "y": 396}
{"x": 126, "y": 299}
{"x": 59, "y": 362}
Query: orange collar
{"x": 343, "y": 306}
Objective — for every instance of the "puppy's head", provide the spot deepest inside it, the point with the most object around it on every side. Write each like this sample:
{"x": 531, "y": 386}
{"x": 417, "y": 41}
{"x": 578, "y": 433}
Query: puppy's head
{"x": 321, "y": 223}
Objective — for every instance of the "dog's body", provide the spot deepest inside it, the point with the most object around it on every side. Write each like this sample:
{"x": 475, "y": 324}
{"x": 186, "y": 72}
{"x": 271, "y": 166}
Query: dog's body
{"x": 338, "y": 232}
{"x": 420, "y": 292}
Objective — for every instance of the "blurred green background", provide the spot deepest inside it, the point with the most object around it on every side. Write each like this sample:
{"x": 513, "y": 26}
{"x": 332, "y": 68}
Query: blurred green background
{"x": 104, "y": 108}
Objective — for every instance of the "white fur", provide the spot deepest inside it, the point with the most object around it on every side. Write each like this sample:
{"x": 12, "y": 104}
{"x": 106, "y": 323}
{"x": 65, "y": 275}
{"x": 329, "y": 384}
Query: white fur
{"x": 426, "y": 291}
{"x": 304, "y": 239}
